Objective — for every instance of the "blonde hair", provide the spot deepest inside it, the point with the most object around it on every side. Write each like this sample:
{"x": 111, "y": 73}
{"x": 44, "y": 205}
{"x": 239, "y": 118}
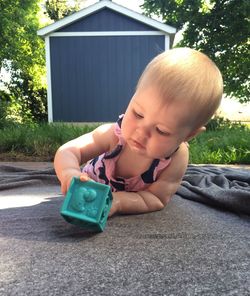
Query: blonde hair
{"x": 187, "y": 75}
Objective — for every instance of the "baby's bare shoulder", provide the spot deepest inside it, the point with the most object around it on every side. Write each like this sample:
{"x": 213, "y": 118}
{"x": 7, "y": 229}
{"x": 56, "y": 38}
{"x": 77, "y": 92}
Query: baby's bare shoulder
{"x": 169, "y": 180}
{"x": 178, "y": 165}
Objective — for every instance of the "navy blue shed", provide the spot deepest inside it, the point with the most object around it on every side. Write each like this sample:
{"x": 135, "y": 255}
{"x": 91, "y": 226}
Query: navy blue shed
{"x": 94, "y": 58}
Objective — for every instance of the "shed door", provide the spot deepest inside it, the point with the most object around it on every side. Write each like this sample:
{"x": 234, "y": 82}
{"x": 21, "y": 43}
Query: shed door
{"x": 93, "y": 78}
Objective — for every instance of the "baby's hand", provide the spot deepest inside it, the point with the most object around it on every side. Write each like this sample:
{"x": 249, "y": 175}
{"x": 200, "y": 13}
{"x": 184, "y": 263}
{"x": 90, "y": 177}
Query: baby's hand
{"x": 67, "y": 177}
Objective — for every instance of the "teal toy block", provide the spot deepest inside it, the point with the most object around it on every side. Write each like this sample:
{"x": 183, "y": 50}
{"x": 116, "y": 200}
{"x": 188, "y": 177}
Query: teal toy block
{"x": 87, "y": 204}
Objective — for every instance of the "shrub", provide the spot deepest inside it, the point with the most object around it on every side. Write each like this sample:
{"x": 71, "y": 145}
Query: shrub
{"x": 220, "y": 123}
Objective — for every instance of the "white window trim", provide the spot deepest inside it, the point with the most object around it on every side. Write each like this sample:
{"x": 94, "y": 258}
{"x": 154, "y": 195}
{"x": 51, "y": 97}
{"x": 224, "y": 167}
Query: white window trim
{"x": 49, "y": 84}
{"x": 167, "y": 42}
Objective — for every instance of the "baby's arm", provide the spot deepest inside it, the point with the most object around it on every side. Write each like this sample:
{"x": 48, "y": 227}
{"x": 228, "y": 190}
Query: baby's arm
{"x": 70, "y": 156}
{"x": 158, "y": 194}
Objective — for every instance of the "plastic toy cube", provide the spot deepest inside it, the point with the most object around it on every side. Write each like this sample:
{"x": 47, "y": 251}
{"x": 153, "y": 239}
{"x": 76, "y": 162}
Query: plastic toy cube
{"x": 87, "y": 204}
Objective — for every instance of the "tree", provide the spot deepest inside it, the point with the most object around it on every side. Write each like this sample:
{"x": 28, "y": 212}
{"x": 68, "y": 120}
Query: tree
{"x": 58, "y": 9}
{"x": 22, "y": 54}
{"x": 219, "y": 28}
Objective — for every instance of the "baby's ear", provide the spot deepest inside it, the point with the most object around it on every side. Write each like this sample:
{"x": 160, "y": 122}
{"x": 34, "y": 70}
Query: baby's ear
{"x": 195, "y": 133}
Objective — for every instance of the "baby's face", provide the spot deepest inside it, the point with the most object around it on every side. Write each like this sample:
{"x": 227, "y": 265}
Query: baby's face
{"x": 154, "y": 127}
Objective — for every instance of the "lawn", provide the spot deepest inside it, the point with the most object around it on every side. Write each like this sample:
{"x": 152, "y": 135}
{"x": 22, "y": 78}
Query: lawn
{"x": 221, "y": 147}
{"x": 222, "y": 143}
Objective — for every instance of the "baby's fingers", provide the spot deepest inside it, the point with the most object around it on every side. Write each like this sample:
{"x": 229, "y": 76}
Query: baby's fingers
{"x": 84, "y": 177}
{"x": 64, "y": 188}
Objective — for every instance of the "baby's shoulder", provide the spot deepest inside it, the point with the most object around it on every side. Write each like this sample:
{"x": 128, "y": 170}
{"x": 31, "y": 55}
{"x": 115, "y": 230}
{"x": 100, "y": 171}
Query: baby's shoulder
{"x": 178, "y": 165}
{"x": 180, "y": 157}
{"x": 106, "y": 132}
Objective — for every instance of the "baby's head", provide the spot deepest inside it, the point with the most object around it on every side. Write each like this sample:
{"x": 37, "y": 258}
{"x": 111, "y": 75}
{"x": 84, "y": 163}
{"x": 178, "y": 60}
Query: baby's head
{"x": 186, "y": 76}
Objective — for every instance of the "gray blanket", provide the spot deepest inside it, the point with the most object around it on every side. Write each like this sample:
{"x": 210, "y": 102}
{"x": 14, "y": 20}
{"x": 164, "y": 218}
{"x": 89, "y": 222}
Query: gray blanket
{"x": 227, "y": 188}
{"x": 198, "y": 245}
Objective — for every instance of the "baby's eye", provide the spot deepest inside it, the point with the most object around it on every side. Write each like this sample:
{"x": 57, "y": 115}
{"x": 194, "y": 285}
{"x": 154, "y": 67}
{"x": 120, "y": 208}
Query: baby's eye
{"x": 138, "y": 115}
{"x": 162, "y": 133}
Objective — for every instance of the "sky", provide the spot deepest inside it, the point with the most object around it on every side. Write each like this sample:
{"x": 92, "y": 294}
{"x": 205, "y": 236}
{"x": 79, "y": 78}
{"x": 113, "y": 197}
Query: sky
{"x": 132, "y": 4}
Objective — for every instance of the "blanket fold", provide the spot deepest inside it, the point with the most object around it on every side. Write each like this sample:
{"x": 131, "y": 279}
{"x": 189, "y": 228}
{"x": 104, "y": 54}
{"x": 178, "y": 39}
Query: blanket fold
{"x": 13, "y": 177}
{"x": 226, "y": 188}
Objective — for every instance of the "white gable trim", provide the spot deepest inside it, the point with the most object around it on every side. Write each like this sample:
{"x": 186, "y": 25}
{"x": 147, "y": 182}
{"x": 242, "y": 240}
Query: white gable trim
{"x": 102, "y": 4}
{"x": 108, "y": 33}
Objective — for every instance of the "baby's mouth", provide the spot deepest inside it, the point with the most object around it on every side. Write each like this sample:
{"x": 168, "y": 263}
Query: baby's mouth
{"x": 138, "y": 145}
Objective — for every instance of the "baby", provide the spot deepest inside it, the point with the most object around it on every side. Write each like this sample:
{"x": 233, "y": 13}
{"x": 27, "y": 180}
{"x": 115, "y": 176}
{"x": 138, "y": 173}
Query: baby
{"x": 144, "y": 155}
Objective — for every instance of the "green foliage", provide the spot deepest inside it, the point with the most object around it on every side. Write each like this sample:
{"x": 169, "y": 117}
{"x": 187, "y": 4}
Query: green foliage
{"x": 224, "y": 142}
{"x": 59, "y": 9}
{"x": 3, "y": 113}
{"x": 19, "y": 41}
{"x": 23, "y": 101}
{"x": 219, "y": 123}
{"x": 225, "y": 145}
{"x": 38, "y": 140}
{"x": 219, "y": 28}
{"x": 22, "y": 55}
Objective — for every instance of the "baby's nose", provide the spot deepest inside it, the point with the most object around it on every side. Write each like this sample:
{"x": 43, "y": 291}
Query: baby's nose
{"x": 144, "y": 132}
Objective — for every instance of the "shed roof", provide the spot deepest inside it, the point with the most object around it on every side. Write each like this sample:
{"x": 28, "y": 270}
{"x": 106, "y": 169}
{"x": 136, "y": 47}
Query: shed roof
{"x": 105, "y": 4}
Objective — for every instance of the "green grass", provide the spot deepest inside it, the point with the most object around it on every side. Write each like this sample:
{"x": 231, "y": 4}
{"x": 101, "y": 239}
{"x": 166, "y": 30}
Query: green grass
{"x": 38, "y": 141}
{"x": 225, "y": 146}
{"x": 223, "y": 143}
